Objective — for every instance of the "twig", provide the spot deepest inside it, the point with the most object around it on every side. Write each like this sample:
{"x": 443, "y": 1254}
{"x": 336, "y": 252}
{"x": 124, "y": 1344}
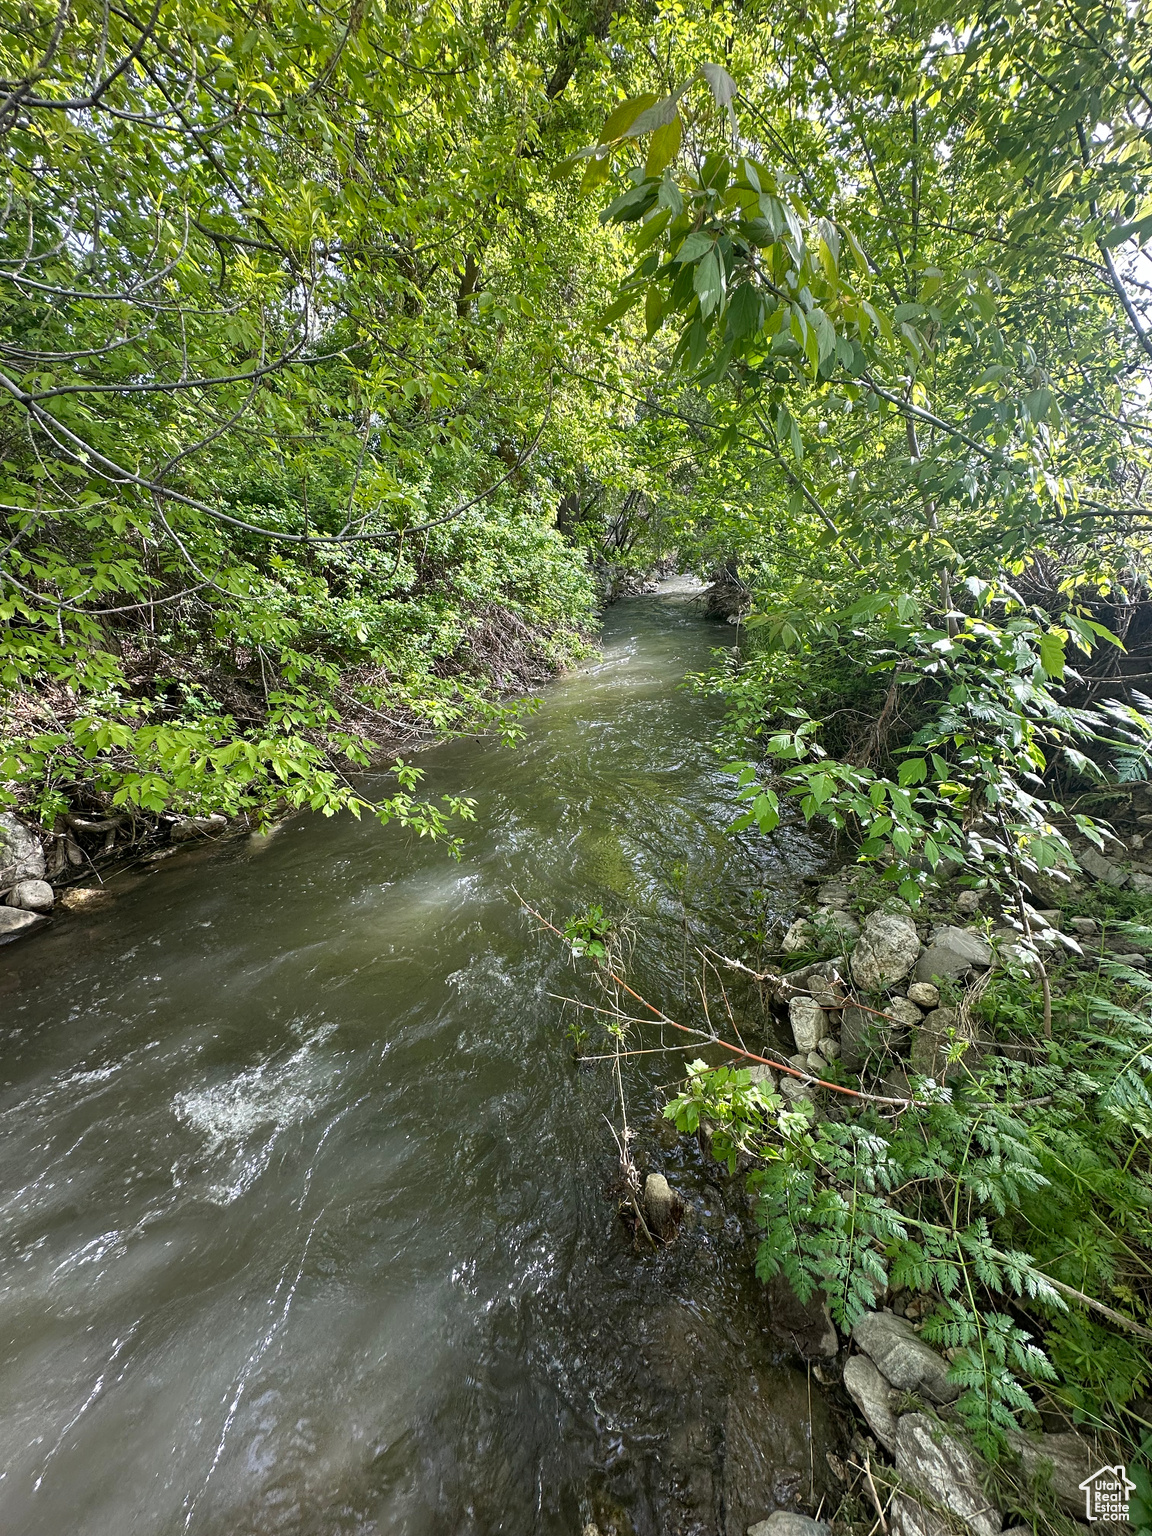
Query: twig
{"x": 872, "y": 1491}
{"x": 736, "y": 1050}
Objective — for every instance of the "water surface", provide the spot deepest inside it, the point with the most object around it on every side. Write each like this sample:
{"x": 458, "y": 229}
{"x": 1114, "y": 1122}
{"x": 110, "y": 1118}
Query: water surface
{"x": 307, "y": 1209}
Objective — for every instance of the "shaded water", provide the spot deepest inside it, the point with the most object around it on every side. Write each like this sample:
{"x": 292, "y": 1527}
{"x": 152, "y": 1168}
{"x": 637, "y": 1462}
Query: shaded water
{"x": 305, "y": 1205}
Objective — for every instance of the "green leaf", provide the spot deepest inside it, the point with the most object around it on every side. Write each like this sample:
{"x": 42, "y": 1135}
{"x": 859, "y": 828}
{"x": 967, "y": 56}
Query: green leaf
{"x": 663, "y": 147}
{"x": 621, "y": 118}
{"x": 708, "y": 282}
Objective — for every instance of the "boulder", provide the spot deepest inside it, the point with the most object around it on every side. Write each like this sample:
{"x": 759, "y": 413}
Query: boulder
{"x": 923, "y": 994}
{"x": 947, "y": 1473}
{"x": 1059, "y": 1463}
{"x": 953, "y": 952}
{"x": 901, "y": 1355}
{"x": 805, "y": 1326}
{"x": 14, "y": 924}
{"x": 660, "y": 1204}
{"x": 1093, "y": 862}
{"x": 885, "y": 952}
{"x": 32, "y": 896}
{"x": 787, "y": 1522}
{"x": 21, "y": 854}
{"x": 871, "y": 1393}
{"x": 809, "y": 1022}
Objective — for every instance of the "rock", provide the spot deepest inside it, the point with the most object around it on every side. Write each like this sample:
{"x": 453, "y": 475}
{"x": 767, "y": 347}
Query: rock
{"x": 809, "y": 1022}
{"x": 1136, "y": 962}
{"x": 904, "y": 1011}
{"x": 857, "y": 1034}
{"x": 834, "y": 927}
{"x": 1093, "y": 862}
{"x": 32, "y": 896}
{"x": 968, "y": 903}
{"x": 816, "y": 1063}
{"x": 806, "y": 1326}
{"x": 14, "y": 924}
{"x": 1140, "y": 882}
{"x": 800, "y": 936}
{"x": 1084, "y": 925}
{"x": 21, "y": 854}
{"x": 902, "y": 1356}
{"x": 952, "y": 952}
{"x": 761, "y": 1073}
{"x": 834, "y": 893}
{"x": 948, "y": 1473}
{"x": 885, "y": 952}
{"x": 660, "y": 1204}
{"x": 871, "y": 1393}
{"x": 796, "y": 1091}
{"x": 186, "y": 828}
{"x": 816, "y": 976}
{"x": 924, "y": 994}
{"x": 830, "y": 1049}
{"x": 932, "y": 1042}
{"x": 1052, "y": 917}
{"x": 1059, "y": 1463}
{"x": 787, "y": 1522}
{"x": 77, "y": 898}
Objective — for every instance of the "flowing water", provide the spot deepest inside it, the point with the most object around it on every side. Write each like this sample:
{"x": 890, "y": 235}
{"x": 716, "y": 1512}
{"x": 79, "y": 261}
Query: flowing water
{"x": 308, "y": 1216}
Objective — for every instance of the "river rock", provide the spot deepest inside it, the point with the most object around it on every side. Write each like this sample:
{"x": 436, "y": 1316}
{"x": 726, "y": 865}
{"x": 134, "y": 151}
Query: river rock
{"x": 1093, "y": 862}
{"x": 904, "y": 1011}
{"x": 952, "y": 952}
{"x": 872, "y": 1394}
{"x": 763, "y": 1074}
{"x": 32, "y": 896}
{"x": 77, "y": 898}
{"x": 186, "y": 828}
{"x": 835, "y": 927}
{"x": 1059, "y": 1463}
{"x": 948, "y": 1473}
{"x": 834, "y": 893}
{"x": 660, "y": 1204}
{"x": 932, "y": 1042}
{"x": 968, "y": 903}
{"x": 885, "y": 952}
{"x": 923, "y": 994}
{"x": 809, "y": 1022}
{"x": 21, "y": 854}
{"x": 899, "y": 1354}
{"x": 856, "y": 1035}
{"x": 796, "y": 1091}
{"x": 787, "y": 1522}
{"x": 800, "y": 936}
{"x": 806, "y": 1326}
{"x": 14, "y": 923}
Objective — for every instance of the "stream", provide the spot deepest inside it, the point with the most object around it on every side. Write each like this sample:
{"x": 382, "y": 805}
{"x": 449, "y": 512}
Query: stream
{"x": 309, "y": 1214}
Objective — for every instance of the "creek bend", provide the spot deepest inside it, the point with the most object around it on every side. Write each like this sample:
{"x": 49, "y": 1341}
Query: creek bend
{"x": 306, "y": 1207}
